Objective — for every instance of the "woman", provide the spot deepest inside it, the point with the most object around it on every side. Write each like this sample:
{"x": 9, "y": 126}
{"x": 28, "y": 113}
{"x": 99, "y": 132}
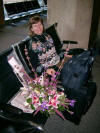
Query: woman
{"x": 43, "y": 55}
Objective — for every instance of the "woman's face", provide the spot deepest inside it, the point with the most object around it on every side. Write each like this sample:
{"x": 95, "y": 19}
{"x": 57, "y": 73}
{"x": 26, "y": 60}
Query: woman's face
{"x": 37, "y": 28}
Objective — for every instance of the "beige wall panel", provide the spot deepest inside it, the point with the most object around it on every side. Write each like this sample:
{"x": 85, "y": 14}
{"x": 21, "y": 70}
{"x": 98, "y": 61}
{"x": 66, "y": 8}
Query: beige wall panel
{"x": 73, "y": 17}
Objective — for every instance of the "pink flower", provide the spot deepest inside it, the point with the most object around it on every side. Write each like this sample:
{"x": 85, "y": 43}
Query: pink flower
{"x": 60, "y": 114}
{"x": 54, "y": 79}
{"x": 52, "y": 92}
{"x": 35, "y": 99}
{"x": 71, "y": 112}
{"x": 60, "y": 93}
{"x": 67, "y": 100}
{"x": 38, "y": 109}
{"x": 54, "y": 102}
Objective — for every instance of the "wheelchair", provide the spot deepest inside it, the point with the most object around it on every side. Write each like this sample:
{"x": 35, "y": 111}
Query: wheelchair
{"x": 20, "y": 121}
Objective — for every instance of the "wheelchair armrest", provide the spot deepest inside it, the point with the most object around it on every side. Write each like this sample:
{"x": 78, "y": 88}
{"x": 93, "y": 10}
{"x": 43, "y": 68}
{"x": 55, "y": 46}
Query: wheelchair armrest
{"x": 69, "y": 42}
{"x": 11, "y": 109}
{"x": 76, "y": 51}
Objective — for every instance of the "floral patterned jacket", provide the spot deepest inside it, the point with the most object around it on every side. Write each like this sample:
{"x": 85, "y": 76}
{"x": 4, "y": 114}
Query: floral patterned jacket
{"x": 42, "y": 52}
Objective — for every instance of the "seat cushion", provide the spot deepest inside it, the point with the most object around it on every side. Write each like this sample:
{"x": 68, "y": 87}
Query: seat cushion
{"x": 53, "y": 33}
{"x": 9, "y": 84}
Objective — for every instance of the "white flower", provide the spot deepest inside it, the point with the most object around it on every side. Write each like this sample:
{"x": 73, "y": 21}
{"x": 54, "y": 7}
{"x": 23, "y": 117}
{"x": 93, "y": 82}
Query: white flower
{"x": 26, "y": 104}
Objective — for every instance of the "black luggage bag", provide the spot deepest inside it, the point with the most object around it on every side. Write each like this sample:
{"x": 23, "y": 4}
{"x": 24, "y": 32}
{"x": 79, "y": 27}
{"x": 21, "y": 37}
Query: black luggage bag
{"x": 84, "y": 98}
{"x": 77, "y": 83}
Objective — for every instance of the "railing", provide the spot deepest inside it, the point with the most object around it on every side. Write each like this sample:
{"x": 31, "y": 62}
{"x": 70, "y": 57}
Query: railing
{"x": 21, "y": 9}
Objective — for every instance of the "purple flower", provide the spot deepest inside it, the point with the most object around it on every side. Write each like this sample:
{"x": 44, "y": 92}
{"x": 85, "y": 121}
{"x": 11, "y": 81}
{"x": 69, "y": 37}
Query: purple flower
{"x": 44, "y": 106}
{"x": 57, "y": 73}
{"x": 54, "y": 84}
{"x": 51, "y": 83}
{"x": 72, "y": 102}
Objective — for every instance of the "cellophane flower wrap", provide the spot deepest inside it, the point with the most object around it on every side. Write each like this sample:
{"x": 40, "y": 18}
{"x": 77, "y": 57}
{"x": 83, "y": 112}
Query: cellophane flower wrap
{"x": 42, "y": 95}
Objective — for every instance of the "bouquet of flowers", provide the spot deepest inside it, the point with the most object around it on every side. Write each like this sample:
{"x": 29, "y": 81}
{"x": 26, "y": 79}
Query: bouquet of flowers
{"x": 39, "y": 94}
{"x": 42, "y": 95}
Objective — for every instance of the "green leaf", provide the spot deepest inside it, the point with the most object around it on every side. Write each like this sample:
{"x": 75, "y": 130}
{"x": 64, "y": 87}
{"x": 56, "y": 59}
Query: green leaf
{"x": 32, "y": 107}
{"x": 52, "y": 111}
{"x": 45, "y": 113}
{"x": 29, "y": 100}
{"x": 61, "y": 108}
{"x": 40, "y": 99}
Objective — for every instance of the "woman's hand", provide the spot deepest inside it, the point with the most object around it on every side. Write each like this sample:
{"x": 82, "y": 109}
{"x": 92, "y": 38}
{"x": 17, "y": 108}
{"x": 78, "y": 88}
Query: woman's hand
{"x": 50, "y": 71}
{"x": 69, "y": 56}
{"x": 66, "y": 54}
